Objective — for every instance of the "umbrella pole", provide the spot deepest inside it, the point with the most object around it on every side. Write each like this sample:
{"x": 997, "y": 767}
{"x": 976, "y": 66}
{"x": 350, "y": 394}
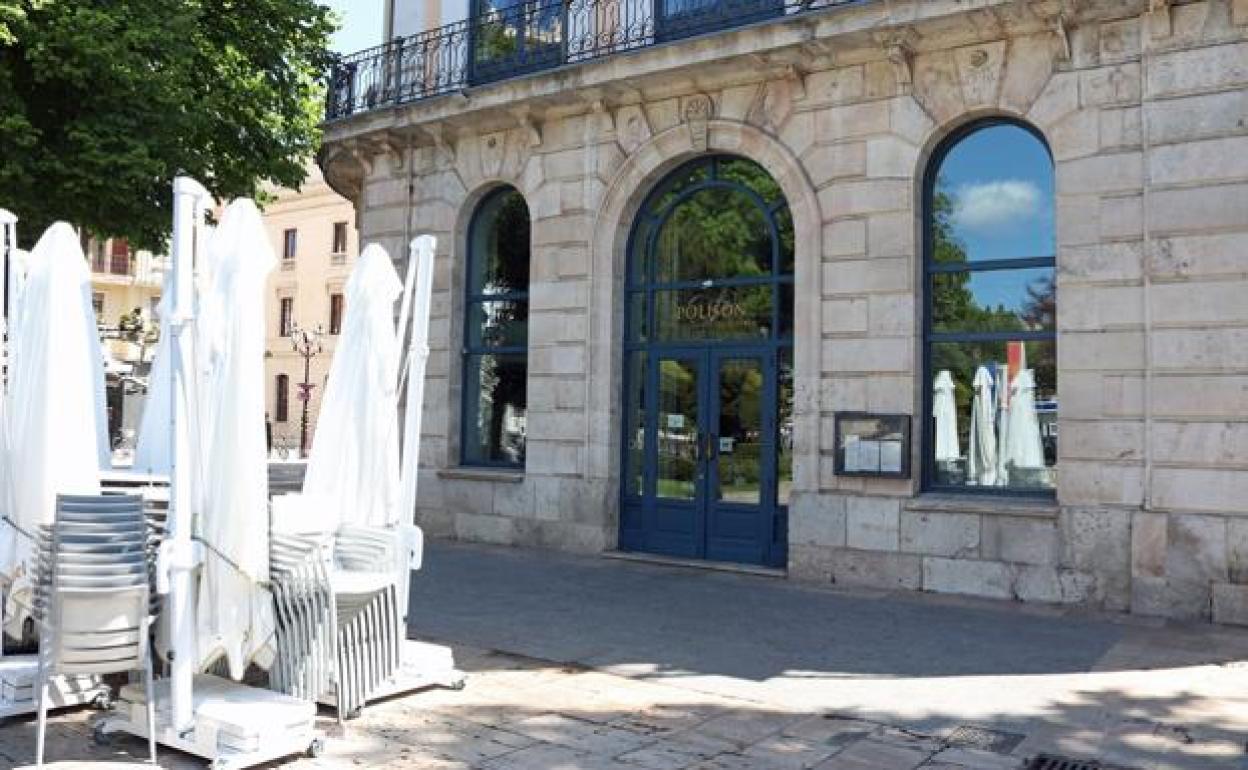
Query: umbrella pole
{"x": 420, "y": 263}
{"x": 8, "y": 242}
{"x": 187, "y": 201}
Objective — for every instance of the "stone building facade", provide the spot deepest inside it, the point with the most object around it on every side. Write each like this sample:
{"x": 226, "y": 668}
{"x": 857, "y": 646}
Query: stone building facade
{"x": 1143, "y": 106}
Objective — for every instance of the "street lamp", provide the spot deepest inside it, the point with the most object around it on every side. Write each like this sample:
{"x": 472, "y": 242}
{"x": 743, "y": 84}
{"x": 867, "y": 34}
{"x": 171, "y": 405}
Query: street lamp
{"x": 307, "y": 343}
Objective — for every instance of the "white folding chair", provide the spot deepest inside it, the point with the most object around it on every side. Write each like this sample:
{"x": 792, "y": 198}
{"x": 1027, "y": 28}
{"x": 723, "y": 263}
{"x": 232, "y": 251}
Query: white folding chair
{"x": 93, "y": 602}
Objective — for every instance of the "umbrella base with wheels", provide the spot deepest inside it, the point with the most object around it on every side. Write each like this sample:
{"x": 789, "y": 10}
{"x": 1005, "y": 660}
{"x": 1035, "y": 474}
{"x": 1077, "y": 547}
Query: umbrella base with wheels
{"x": 424, "y": 665}
{"x": 17, "y": 691}
{"x": 236, "y": 726}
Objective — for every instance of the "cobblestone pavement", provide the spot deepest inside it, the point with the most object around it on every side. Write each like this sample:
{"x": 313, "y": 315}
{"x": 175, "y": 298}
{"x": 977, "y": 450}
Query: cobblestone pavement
{"x": 523, "y": 714}
{"x": 579, "y": 663}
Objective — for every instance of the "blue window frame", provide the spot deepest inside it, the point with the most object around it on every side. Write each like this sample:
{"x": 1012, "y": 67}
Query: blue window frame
{"x": 990, "y": 339}
{"x": 496, "y": 336}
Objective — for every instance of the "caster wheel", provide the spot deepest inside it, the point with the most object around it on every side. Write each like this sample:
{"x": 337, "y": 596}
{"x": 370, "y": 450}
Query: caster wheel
{"x": 100, "y": 737}
{"x": 459, "y": 684}
{"x": 316, "y": 748}
{"x": 102, "y": 702}
{"x": 354, "y": 713}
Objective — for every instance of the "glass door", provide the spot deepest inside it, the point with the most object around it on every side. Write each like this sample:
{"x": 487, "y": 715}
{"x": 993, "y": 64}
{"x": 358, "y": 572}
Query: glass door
{"x": 677, "y": 453}
{"x": 740, "y": 456}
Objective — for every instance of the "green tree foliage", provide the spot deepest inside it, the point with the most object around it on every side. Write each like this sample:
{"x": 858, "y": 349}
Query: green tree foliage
{"x": 103, "y": 103}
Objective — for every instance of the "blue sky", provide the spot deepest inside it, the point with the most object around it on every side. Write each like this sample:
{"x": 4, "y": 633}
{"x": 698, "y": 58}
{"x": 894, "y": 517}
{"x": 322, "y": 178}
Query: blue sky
{"x": 362, "y": 22}
{"x": 1001, "y": 182}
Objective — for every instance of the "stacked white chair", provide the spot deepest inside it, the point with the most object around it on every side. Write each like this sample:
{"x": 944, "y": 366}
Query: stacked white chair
{"x": 93, "y": 601}
{"x": 340, "y": 621}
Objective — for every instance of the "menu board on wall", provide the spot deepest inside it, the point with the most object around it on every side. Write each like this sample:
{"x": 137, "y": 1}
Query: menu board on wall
{"x": 873, "y": 445}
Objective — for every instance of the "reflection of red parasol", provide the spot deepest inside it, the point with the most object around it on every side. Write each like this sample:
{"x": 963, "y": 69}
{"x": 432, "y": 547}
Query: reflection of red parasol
{"x": 305, "y": 391}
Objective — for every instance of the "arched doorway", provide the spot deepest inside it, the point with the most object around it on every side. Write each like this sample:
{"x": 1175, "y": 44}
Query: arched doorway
{"x": 708, "y": 368}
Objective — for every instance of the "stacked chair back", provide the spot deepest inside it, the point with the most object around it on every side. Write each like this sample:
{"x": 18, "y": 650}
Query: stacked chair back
{"x": 304, "y": 604}
{"x": 340, "y": 623}
{"x": 94, "y": 596}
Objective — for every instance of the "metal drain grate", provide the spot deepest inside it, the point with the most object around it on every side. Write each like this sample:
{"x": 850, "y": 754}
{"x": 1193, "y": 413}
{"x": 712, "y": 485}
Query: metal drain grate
{"x": 1050, "y": 762}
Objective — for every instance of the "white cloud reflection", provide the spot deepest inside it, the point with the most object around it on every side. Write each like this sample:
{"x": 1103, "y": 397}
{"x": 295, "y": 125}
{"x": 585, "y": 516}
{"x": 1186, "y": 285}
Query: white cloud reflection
{"x": 993, "y": 205}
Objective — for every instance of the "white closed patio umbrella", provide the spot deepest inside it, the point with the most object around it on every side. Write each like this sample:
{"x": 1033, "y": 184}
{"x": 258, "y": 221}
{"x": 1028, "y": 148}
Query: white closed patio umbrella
{"x": 353, "y": 470}
{"x": 235, "y": 617}
{"x": 1022, "y": 447}
{"x": 58, "y": 427}
{"x": 153, "y": 450}
{"x": 981, "y": 461}
{"x": 945, "y": 412}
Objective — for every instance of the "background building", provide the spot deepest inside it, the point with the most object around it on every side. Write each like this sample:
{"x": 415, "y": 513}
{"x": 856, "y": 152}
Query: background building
{"x": 126, "y": 288}
{"x": 716, "y": 281}
{"x": 314, "y": 238}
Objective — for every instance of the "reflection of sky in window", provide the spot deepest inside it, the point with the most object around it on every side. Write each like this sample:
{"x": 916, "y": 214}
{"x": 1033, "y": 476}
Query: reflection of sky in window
{"x": 1001, "y": 182}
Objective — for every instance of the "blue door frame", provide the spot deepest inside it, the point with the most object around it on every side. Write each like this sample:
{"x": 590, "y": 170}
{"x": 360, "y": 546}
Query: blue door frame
{"x": 678, "y": 375}
{"x": 697, "y": 522}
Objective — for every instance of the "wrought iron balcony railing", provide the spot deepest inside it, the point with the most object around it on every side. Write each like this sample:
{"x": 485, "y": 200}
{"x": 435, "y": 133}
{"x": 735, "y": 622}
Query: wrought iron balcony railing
{"x": 508, "y": 38}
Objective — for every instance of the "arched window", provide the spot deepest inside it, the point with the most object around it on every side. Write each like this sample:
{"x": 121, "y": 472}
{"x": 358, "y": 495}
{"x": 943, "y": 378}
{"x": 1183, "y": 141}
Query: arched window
{"x": 496, "y": 332}
{"x": 991, "y": 302}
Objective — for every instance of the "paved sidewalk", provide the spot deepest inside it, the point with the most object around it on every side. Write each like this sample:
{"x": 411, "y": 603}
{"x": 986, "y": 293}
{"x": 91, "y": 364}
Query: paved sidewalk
{"x": 588, "y": 663}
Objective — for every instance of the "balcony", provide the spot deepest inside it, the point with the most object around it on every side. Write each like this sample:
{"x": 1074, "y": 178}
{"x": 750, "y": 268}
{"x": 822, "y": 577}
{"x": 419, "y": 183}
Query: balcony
{"x": 522, "y": 38}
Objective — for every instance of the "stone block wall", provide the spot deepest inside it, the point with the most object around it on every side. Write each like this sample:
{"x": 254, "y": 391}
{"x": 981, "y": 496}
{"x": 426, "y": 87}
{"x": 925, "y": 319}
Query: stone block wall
{"x": 1146, "y": 114}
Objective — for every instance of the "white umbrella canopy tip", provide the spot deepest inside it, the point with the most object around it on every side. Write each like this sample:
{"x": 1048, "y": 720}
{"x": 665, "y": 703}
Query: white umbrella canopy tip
{"x": 353, "y": 471}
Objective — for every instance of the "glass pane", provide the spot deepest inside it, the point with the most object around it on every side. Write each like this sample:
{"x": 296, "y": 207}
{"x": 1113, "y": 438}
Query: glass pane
{"x": 784, "y": 427}
{"x": 635, "y": 424}
{"x": 733, "y": 312}
{"x": 639, "y": 252}
{"x": 786, "y": 310}
{"x": 500, "y": 245}
{"x": 715, "y": 233}
{"x": 994, "y": 414}
{"x": 784, "y": 226}
{"x": 751, "y": 175}
{"x": 994, "y": 300}
{"x": 738, "y": 447}
{"x": 679, "y": 181}
{"x": 637, "y": 320}
{"x": 499, "y": 324}
{"x": 677, "y": 430}
{"x": 512, "y": 34}
{"x": 495, "y": 389}
{"x": 676, "y": 7}
{"x": 994, "y": 198}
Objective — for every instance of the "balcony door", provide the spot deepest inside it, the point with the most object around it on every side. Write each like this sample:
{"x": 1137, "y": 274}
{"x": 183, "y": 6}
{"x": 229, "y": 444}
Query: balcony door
{"x": 514, "y": 37}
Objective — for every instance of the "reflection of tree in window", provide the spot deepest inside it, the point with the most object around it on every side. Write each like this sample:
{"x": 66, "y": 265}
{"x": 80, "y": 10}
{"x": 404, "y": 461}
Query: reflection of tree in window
{"x": 991, "y": 279}
{"x": 496, "y": 362}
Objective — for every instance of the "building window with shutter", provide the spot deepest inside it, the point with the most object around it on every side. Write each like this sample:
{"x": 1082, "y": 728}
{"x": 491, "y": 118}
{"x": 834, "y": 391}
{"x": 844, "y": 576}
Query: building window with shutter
{"x": 335, "y": 314}
{"x": 340, "y": 239}
{"x": 286, "y": 320}
{"x": 281, "y": 398}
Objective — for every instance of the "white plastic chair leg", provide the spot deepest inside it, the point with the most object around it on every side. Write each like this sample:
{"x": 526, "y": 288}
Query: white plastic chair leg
{"x": 41, "y": 730}
{"x": 151, "y": 708}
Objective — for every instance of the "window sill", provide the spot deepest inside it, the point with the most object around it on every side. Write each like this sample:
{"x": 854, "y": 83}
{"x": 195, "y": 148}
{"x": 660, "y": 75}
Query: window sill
{"x": 999, "y": 505}
{"x": 505, "y": 475}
